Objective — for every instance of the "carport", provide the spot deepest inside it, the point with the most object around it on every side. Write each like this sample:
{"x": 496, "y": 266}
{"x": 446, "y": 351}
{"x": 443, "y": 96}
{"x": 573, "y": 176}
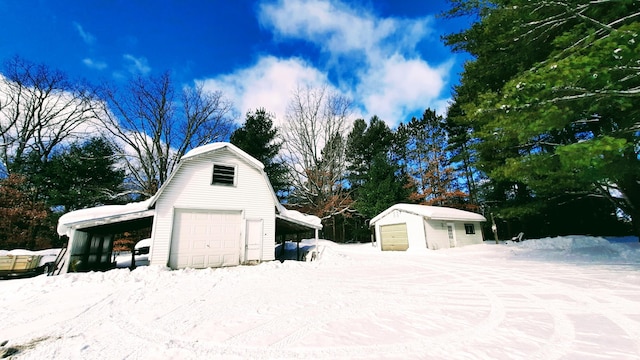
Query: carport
{"x": 294, "y": 226}
{"x": 92, "y": 232}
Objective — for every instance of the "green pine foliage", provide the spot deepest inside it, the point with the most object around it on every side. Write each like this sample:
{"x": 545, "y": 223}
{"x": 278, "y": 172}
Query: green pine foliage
{"x": 383, "y": 187}
{"x": 259, "y": 138}
{"x": 550, "y": 100}
{"x": 80, "y": 176}
{"x": 375, "y": 180}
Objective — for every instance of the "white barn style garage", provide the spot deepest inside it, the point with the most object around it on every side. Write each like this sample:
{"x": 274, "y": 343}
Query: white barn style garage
{"x": 216, "y": 209}
{"x": 408, "y": 227}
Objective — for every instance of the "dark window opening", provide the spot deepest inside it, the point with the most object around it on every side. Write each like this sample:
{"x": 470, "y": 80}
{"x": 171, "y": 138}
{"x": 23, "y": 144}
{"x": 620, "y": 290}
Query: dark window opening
{"x": 469, "y": 229}
{"x": 223, "y": 174}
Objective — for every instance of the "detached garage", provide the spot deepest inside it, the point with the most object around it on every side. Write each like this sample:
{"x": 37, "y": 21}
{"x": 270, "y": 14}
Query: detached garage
{"x": 408, "y": 226}
{"x": 216, "y": 209}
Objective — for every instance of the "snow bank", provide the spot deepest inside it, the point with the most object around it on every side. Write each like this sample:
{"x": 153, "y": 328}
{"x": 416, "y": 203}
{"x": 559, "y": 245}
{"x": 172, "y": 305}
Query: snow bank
{"x": 580, "y": 247}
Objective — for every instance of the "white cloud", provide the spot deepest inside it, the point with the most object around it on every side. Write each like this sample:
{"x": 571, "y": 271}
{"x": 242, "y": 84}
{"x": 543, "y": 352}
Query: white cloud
{"x": 137, "y": 65}
{"x": 338, "y": 28}
{"x": 399, "y": 87}
{"x": 93, "y": 64}
{"x": 267, "y": 84}
{"x": 374, "y": 60}
{"x": 87, "y": 37}
{"x": 376, "y": 56}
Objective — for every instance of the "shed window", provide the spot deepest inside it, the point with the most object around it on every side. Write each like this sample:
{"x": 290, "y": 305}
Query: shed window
{"x": 469, "y": 229}
{"x": 223, "y": 174}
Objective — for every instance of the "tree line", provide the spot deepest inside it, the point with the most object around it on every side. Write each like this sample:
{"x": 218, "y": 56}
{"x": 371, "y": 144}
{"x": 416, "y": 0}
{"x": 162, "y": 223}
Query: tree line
{"x": 547, "y": 111}
{"x": 541, "y": 135}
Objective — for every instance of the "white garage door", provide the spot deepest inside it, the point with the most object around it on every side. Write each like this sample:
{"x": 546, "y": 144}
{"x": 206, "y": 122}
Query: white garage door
{"x": 394, "y": 237}
{"x": 202, "y": 239}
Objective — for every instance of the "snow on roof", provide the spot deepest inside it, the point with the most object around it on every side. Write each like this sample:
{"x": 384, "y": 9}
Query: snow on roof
{"x": 220, "y": 145}
{"x": 206, "y": 149}
{"x": 16, "y": 252}
{"x": 300, "y": 218}
{"x": 102, "y": 215}
{"x": 432, "y": 212}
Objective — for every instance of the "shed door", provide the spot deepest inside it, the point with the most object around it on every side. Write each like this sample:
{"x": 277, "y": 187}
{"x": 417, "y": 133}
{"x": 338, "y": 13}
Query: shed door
{"x": 202, "y": 239}
{"x": 394, "y": 237}
{"x": 253, "y": 248}
{"x": 451, "y": 232}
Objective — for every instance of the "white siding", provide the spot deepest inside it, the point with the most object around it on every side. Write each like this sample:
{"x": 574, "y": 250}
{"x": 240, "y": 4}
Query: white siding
{"x": 437, "y": 235}
{"x": 191, "y": 188}
{"x": 415, "y": 230}
{"x": 468, "y": 239}
{"x": 435, "y": 231}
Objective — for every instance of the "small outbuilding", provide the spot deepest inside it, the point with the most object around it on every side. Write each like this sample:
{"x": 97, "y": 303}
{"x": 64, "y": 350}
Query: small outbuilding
{"x": 217, "y": 208}
{"x": 409, "y": 226}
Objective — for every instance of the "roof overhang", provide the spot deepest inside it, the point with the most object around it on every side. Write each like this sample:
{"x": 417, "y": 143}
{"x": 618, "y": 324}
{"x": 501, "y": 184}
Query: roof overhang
{"x": 103, "y": 215}
{"x": 121, "y": 224}
{"x": 293, "y": 222}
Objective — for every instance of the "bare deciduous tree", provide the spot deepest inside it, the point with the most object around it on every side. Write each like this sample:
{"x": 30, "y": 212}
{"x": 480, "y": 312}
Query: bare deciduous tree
{"x": 154, "y": 129}
{"x": 40, "y": 108}
{"x": 316, "y": 123}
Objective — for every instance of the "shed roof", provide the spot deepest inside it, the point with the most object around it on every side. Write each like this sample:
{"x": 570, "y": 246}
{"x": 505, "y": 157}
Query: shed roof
{"x": 432, "y": 212}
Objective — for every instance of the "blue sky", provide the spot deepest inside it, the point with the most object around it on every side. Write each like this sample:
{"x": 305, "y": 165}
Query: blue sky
{"x": 385, "y": 54}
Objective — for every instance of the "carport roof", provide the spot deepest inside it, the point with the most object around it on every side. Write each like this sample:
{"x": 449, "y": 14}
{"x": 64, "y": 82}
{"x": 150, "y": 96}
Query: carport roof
{"x": 298, "y": 218}
{"x": 102, "y": 215}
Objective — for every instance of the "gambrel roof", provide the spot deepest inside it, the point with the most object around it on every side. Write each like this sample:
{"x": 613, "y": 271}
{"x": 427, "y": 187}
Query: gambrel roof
{"x": 103, "y": 215}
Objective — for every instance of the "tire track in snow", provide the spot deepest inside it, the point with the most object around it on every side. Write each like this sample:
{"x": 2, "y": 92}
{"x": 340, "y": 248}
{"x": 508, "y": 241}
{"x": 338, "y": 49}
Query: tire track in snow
{"x": 593, "y": 306}
{"x": 443, "y": 341}
{"x": 563, "y": 337}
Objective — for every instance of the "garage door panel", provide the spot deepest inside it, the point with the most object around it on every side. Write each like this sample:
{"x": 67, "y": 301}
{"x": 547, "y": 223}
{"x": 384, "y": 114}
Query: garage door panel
{"x": 197, "y": 261}
{"x": 203, "y": 239}
{"x": 394, "y": 237}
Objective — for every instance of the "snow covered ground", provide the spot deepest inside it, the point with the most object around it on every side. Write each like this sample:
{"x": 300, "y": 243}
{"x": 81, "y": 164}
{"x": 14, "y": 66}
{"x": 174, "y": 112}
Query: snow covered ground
{"x": 564, "y": 298}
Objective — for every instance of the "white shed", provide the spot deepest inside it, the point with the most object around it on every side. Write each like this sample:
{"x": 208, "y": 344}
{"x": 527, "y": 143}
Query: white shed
{"x": 409, "y": 226}
{"x": 216, "y": 209}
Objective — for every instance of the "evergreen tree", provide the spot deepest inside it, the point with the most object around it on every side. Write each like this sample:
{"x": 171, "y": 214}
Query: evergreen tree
{"x": 259, "y": 138}
{"x": 374, "y": 177}
{"x": 384, "y": 186}
{"x": 364, "y": 143}
{"x": 424, "y": 156}
{"x": 81, "y": 176}
{"x": 550, "y": 97}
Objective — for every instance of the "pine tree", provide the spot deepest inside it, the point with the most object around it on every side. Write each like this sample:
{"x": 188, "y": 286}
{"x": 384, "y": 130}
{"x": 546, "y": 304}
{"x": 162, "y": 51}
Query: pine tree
{"x": 550, "y": 98}
{"x": 375, "y": 179}
{"x": 259, "y": 138}
{"x": 425, "y": 158}
{"x": 81, "y": 176}
{"x": 383, "y": 187}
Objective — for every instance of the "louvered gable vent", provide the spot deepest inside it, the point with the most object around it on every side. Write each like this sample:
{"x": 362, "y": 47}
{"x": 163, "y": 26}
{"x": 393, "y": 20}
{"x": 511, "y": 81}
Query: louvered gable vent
{"x": 223, "y": 174}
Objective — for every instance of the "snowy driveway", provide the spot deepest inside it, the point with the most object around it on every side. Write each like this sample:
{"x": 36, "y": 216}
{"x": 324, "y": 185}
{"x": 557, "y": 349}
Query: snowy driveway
{"x": 478, "y": 302}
